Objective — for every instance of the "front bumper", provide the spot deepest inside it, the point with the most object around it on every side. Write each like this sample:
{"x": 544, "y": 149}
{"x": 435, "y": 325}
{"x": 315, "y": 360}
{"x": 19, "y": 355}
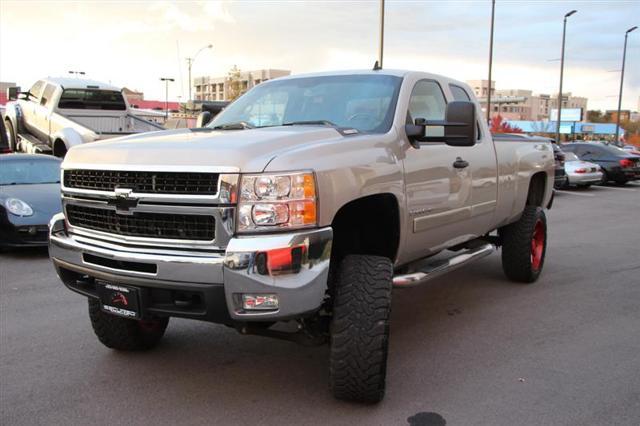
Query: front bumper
{"x": 12, "y": 235}
{"x": 201, "y": 286}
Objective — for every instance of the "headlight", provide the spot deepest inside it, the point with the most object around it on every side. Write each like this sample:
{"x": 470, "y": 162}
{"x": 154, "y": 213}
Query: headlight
{"x": 18, "y": 207}
{"x": 275, "y": 201}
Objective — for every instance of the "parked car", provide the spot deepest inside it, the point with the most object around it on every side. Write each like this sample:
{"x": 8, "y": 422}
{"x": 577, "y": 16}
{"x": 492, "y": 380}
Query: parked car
{"x": 359, "y": 181}
{"x": 29, "y": 197}
{"x": 58, "y": 113}
{"x": 617, "y": 164}
{"x": 581, "y": 173}
{"x": 632, "y": 149}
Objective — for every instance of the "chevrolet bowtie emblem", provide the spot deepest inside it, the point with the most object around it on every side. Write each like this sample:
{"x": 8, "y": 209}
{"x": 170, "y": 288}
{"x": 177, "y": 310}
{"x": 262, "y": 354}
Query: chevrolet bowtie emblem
{"x": 123, "y": 200}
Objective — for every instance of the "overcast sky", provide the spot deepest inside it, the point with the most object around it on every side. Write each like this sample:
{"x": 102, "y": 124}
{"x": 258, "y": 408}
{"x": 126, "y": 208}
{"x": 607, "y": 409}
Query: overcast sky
{"x": 133, "y": 44}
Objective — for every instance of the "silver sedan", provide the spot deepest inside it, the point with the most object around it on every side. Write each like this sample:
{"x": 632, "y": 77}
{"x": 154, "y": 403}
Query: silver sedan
{"x": 581, "y": 173}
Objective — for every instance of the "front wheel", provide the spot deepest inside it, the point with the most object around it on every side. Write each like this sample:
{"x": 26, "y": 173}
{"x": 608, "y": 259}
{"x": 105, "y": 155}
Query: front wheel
{"x": 124, "y": 334}
{"x": 11, "y": 134}
{"x": 360, "y": 328}
{"x": 524, "y": 246}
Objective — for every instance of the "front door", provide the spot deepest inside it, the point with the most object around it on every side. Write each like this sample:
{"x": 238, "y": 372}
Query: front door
{"x": 439, "y": 195}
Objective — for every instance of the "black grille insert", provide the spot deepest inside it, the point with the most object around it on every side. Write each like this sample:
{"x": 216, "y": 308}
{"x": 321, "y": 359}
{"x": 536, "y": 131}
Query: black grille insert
{"x": 143, "y": 182}
{"x": 149, "y": 225}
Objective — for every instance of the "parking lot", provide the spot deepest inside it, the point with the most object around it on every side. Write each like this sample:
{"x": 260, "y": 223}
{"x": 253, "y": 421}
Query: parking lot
{"x": 468, "y": 348}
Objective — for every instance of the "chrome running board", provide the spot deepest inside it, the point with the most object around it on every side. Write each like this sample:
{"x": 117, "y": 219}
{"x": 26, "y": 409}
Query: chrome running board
{"x": 442, "y": 266}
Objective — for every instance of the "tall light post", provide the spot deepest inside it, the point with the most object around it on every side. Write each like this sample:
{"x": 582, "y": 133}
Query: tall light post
{"x": 564, "y": 31}
{"x": 493, "y": 10}
{"x": 381, "y": 45}
{"x": 190, "y": 62}
{"x": 166, "y": 95}
{"x": 624, "y": 57}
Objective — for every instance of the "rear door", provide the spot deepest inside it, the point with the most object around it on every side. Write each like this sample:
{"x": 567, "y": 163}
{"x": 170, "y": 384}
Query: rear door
{"x": 483, "y": 170}
{"x": 438, "y": 195}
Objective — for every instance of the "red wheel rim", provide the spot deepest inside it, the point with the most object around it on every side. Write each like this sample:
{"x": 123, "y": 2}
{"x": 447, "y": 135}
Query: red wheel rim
{"x": 537, "y": 245}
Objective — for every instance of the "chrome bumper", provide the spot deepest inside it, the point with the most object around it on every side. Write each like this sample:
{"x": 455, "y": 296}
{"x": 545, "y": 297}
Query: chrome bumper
{"x": 300, "y": 290}
{"x": 584, "y": 178}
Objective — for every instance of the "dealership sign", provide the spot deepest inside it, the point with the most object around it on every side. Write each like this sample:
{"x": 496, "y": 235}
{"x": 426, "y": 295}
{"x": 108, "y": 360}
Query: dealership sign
{"x": 568, "y": 114}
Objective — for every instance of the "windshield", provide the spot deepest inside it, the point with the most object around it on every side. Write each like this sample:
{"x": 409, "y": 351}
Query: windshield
{"x": 25, "y": 171}
{"x": 362, "y": 102}
{"x": 92, "y": 99}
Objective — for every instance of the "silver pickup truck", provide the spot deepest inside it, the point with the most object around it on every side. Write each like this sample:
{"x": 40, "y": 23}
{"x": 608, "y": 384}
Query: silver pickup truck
{"x": 58, "y": 113}
{"x": 295, "y": 212}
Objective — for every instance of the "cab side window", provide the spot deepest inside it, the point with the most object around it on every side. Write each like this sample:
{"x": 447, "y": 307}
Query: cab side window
{"x": 47, "y": 95}
{"x": 36, "y": 89}
{"x": 428, "y": 102}
{"x": 459, "y": 94}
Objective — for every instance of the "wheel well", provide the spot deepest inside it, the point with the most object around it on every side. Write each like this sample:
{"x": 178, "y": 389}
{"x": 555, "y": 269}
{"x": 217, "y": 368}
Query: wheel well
{"x": 537, "y": 187}
{"x": 59, "y": 148}
{"x": 369, "y": 225}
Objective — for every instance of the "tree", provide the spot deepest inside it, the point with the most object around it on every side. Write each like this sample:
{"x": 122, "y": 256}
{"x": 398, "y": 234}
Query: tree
{"x": 235, "y": 86}
{"x": 596, "y": 116}
{"x": 498, "y": 125}
{"x": 631, "y": 132}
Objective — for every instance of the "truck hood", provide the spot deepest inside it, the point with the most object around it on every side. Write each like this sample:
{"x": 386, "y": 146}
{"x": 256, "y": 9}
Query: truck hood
{"x": 230, "y": 151}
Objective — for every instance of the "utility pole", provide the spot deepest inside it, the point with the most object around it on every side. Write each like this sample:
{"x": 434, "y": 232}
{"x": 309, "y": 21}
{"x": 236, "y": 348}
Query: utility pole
{"x": 624, "y": 57}
{"x": 190, "y": 62}
{"x": 564, "y": 30}
{"x": 493, "y": 10}
{"x": 381, "y": 47}
{"x": 166, "y": 95}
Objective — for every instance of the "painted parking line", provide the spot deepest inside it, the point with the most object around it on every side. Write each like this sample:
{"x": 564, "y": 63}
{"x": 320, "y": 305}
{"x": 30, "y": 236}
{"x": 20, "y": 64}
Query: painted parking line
{"x": 581, "y": 194}
{"x": 615, "y": 188}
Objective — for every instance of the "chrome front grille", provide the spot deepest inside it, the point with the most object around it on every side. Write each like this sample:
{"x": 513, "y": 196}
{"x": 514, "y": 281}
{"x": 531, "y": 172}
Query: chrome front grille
{"x": 148, "y": 225}
{"x": 148, "y": 182}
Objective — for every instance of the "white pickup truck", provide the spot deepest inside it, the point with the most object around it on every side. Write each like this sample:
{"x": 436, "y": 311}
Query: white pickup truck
{"x": 58, "y": 113}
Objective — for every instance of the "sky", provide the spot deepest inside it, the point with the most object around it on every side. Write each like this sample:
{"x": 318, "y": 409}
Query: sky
{"x": 134, "y": 43}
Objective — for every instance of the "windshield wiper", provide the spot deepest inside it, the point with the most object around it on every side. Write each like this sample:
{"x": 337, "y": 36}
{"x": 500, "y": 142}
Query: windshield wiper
{"x": 310, "y": 122}
{"x": 240, "y": 125}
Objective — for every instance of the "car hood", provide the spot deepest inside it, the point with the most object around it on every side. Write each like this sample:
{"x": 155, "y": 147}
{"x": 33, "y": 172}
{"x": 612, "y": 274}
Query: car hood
{"x": 198, "y": 149}
{"x": 44, "y": 198}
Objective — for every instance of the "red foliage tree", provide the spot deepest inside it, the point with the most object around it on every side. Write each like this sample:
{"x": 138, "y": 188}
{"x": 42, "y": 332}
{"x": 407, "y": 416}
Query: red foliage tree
{"x": 498, "y": 125}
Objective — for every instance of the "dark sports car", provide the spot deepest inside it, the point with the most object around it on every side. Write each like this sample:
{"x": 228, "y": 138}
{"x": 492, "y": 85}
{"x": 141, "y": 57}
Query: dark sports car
{"x": 29, "y": 197}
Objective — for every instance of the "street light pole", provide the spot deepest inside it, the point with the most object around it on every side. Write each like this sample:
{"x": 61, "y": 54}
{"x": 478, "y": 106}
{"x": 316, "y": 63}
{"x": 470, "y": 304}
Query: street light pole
{"x": 381, "y": 47}
{"x": 493, "y": 9}
{"x": 624, "y": 57}
{"x": 190, "y": 62}
{"x": 564, "y": 30}
{"x": 166, "y": 96}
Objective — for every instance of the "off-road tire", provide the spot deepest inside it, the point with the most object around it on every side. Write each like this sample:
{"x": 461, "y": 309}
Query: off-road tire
{"x": 360, "y": 328}
{"x": 11, "y": 135}
{"x": 124, "y": 334}
{"x": 520, "y": 260}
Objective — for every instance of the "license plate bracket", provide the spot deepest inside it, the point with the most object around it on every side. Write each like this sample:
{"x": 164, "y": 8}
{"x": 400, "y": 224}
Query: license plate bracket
{"x": 120, "y": 300}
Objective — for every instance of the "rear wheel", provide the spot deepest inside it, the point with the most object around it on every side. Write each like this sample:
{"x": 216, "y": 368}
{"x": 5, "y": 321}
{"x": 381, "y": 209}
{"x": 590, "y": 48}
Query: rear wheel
{"x": 360, "y": 328}
{"x": 524, "y": 245}
{"x": 125, "y": 334}
{"x": 605, "y": 178}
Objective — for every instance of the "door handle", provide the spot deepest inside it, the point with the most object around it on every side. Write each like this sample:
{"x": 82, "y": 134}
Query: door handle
{"x": 460, "y": 163}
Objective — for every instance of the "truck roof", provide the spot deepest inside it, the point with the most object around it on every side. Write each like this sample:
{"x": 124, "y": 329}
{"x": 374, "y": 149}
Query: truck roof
{"x": 79, "y": 83}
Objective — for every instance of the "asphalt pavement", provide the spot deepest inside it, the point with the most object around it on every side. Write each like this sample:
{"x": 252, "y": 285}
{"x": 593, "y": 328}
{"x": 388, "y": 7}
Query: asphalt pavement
{"x": 467, "y": 348}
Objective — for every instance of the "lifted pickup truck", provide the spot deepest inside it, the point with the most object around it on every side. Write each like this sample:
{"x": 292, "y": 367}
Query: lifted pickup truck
{"x": 58, "y": 113}
{"x": 302, "y": 204}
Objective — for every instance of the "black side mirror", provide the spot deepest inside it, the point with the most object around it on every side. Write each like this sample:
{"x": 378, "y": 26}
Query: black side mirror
{"x": 459, "y": 126}
{"x": 12, "y": 93}
{"x": 203, "y": 119}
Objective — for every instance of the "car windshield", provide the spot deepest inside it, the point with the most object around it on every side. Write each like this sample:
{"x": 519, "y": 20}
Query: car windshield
{"x": 92, "y": 99}
{"x": 362, "y": 102}
{"x": 29, "y": 171}
{"x": 570, "y": 156}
